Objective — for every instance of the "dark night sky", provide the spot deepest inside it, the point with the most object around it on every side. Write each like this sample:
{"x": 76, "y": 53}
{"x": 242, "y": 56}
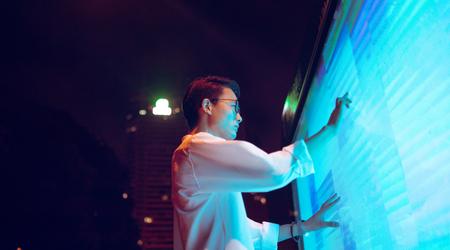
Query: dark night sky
{"x": 97, "y": 60}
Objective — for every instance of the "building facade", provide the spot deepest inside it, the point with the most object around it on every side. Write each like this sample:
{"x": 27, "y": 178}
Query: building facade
{"x": 151, "y": 141}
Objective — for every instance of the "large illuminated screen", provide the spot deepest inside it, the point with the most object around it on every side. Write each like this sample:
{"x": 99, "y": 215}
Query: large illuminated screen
{"x": 390, "y": 160}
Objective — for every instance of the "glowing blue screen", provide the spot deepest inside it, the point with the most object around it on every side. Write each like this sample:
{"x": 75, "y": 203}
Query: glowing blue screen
{"x": 390, "y": 161}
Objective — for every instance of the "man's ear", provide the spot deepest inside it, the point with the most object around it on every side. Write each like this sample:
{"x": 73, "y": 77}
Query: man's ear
{"x": 207, "y": 106}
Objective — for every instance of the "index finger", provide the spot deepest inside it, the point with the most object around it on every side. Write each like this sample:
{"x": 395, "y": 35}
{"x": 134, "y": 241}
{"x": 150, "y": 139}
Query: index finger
{"x": 332, "y": 197}
{"x": 331, "y": 201}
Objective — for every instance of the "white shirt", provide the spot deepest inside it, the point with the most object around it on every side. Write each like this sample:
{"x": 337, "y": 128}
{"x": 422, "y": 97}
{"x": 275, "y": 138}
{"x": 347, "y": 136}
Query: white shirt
{"x": 208, "y": 175}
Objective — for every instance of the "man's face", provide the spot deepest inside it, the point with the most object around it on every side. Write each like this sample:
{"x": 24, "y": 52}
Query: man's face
{"x": 224, "y": 120}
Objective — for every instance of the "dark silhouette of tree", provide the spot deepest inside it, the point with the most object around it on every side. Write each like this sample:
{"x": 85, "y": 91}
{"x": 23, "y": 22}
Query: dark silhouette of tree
{"x": 62, "y": 187}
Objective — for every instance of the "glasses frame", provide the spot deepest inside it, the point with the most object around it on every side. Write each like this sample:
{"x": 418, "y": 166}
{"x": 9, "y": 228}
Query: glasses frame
{"x": 237, "y": 108}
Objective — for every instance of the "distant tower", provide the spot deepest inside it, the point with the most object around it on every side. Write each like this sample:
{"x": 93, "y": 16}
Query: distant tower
{"x": 151, "y": 141}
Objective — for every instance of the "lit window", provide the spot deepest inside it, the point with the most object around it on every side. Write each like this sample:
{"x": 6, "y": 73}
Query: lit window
{"x": 263, "y": 200}
{"x": 142, "y": 112}
{"x": 148, "y": 220}
{"x": 293, "y": 213}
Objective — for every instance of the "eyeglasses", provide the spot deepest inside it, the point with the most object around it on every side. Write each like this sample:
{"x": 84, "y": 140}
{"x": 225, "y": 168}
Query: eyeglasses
{"x": 237, "y": 109}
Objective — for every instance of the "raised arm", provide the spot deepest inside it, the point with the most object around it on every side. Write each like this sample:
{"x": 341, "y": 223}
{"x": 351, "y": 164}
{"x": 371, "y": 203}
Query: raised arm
{"x": 318, "y": 141}
{"x": 226, "y": 165}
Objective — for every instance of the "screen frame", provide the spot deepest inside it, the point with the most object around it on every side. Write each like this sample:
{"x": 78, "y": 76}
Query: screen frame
{"x": 301, "y": 86}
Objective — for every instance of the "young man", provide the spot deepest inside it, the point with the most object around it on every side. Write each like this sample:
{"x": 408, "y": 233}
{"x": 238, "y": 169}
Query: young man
{"x": 210, "y": 170}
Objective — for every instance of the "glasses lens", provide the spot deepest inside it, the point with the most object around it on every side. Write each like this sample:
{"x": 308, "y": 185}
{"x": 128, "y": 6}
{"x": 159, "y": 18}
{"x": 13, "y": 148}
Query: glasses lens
{"x": 237, "y": 108}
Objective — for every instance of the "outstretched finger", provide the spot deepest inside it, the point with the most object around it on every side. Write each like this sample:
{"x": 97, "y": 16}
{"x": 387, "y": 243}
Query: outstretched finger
{"x": 334, "y": 202}
{"x": 331, "y": 198}
{"x": 331, "y": 202}
{"x": 331, "y": 223}
{"x": 346, "y": 100}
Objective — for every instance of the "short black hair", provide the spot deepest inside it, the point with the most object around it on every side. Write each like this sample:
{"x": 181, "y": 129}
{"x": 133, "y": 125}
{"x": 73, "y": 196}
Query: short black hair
{"x": 210, "y": 87}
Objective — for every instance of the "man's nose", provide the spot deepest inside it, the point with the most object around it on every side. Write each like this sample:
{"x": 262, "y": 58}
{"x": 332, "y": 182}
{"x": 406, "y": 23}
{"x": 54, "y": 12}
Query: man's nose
{"x": 239, "y": 117}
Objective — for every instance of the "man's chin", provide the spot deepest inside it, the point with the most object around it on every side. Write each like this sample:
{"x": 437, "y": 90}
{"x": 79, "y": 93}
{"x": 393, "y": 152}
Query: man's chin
{"x": 233, "y": 136}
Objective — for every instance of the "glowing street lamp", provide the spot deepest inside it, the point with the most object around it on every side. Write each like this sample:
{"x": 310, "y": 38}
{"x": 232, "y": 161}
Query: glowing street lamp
{"x": 162, "y": 107}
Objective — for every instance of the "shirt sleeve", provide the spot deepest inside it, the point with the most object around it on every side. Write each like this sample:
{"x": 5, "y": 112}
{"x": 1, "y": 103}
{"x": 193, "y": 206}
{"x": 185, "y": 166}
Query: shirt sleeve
{"x": 239, "y": 166}
{"x": 265, "y": 235}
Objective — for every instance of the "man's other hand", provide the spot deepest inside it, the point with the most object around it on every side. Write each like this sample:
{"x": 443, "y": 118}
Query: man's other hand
{"x": 317, "y": 221}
